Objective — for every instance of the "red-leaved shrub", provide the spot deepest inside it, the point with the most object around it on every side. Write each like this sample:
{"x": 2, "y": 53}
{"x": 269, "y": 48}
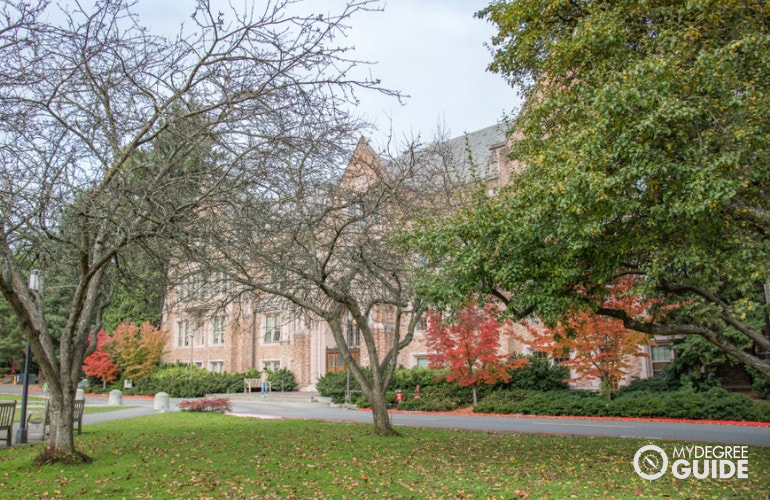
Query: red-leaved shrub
{"x": 220, "y": 405}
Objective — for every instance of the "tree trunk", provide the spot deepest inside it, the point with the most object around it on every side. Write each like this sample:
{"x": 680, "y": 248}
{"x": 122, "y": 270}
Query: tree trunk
{"x": 380, "y": 415}
{"x": 475, "y": 396}
{"x": 60, "y": 443}
{"x": 61, "y": 439}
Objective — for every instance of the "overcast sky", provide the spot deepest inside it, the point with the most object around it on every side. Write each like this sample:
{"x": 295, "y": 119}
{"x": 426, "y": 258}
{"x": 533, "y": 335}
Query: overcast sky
{"x": 431, "y": 50}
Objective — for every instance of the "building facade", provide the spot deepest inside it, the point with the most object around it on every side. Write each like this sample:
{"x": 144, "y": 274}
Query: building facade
{"x": 254, "y": 333}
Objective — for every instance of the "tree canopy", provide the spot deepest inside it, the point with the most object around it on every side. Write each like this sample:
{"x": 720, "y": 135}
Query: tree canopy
{"x": 645, "y": 146}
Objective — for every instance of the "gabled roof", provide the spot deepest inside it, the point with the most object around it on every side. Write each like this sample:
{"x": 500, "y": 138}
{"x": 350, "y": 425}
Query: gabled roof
{"x": 470, "y": 151}
{"x": 462, "y": 159}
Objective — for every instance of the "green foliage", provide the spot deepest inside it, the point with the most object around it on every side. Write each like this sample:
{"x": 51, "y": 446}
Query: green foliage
{"x": 539, "y": 375}
{"x": 653, "y": 384}
{"x": 645, "y": 151}
{"x": 57, "y": 296}
{"x": 175, "y": 381}
{"x": 282, "y": 380}
{"x": 762, "y": 411}
{"x": 760, "y": 383}
{"x": 428, "y": 402}
{"x": 138, "y": 297}
{"x": 714, "y": 404}
{"x": 697, "y": 361}
{"x": 408, "y": 379}
{"x": 12, "y": 341}
{"x": 443, "y": 396}
{"x": 335, "y": 385}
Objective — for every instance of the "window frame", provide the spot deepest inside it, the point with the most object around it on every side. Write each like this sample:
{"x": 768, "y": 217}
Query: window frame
{"x": 353, "y": 334}
{"x": 183, "y": 333}
{"x": 272, "y": 333}
{"x": 217, "y": 330}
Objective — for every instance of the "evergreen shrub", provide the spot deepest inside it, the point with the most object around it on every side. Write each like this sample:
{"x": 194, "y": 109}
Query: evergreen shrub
{"x": 539, "y": 375}
{"x": 760, "y": 383}
{"x": 175, "y": 380}
{"x": 714, "y": 404}
{"x": 334, "y": 385}
{"x": 282, "y": 380}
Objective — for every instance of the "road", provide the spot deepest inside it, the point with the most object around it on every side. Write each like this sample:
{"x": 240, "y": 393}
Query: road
{"x": 654, "y": 430}
{"x": 645, "y": 429}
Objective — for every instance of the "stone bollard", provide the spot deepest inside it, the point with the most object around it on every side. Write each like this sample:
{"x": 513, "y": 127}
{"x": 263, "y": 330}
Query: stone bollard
{"x": 116, "y": 398}
{"x": 161, "y": 402}
{"x": 80, "y": 394}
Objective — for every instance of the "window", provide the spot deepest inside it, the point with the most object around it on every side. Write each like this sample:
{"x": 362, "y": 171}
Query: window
{"x": 423, "y": 322}
{"x": 421, "y": 361}
{"x": 184, "y": 289}
{"x": 219, "y": 283}
{"x": 354, "y": 333}
{"x": 218, "y": 366}
{"x": 273, "y": 366}
{"x": 661, "y": 356}
{"x": 565, "y": 354}
{"x": 272, "y": 328}
{"x": 217, "y": 330}
{"x": 200, "y": 337}
{"x": 359, "y": 216}
{"x": 183, "y": 335}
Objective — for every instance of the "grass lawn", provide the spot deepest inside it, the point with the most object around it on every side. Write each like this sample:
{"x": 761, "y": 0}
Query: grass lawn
{"x": 198, "y": 455}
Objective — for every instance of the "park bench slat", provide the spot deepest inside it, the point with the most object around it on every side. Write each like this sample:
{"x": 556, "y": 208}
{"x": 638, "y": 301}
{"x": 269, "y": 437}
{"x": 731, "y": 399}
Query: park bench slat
{"x": 7, "y": 411}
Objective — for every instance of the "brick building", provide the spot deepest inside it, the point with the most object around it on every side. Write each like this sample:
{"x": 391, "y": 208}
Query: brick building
{"x": 245, "y": 333}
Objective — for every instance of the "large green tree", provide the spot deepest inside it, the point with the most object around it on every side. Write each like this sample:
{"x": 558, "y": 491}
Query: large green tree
{"x": 646, "y": 145}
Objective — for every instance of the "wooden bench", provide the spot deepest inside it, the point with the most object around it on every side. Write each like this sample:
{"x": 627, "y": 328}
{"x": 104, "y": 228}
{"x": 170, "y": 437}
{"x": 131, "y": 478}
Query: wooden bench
{"x": 253, "y": 383}
{"x": 7, "y": 411}
{"x": 44, "y": 418}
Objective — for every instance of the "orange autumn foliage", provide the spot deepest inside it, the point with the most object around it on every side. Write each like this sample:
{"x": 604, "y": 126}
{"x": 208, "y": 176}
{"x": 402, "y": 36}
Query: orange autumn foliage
{"x": 596, "y": 347}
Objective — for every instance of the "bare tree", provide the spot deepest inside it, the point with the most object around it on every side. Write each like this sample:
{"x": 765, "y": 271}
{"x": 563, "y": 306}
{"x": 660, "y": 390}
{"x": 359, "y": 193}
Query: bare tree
{"x": 321, "y": 232}
{"x": 87, "y": 97}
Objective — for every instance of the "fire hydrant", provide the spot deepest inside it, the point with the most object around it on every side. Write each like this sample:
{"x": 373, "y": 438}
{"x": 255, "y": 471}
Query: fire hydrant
{"x": 417, "y": 392}
{"x": 399, "y": 396}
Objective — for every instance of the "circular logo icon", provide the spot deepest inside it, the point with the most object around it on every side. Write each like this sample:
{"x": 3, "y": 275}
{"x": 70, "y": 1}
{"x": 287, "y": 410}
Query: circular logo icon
{"x": 650, "y": 462}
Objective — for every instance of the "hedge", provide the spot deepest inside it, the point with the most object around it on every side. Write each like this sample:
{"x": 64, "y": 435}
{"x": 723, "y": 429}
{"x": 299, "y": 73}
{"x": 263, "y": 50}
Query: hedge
{"x": 714, "y": 404}
{"x": 539, "y": 375}
{"x": 175, "y": 380}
